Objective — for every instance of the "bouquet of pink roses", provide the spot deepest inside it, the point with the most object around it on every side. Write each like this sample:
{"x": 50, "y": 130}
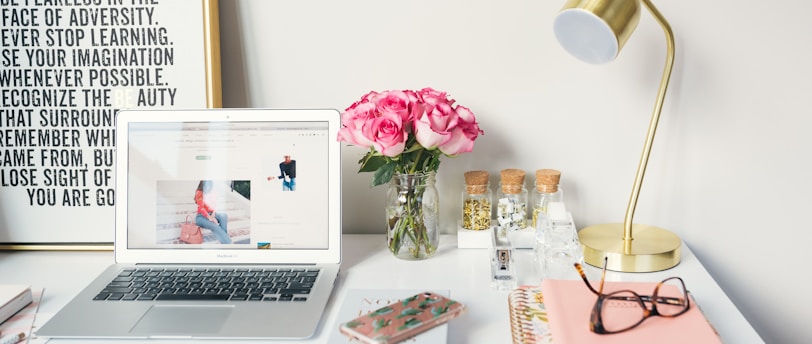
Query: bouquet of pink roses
{"x": 407, "y": 131}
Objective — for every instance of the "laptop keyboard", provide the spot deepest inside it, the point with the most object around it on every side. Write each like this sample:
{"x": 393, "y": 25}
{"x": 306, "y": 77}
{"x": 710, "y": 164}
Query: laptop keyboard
{"x": 223, "y": 284}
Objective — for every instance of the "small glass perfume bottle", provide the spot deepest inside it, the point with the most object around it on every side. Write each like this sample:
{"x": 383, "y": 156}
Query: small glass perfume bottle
{"x": 511, "y": 207}
{"x": 476, "y": 201}
{"x": 557, "y": 246}
{"x": 547, "y": 191}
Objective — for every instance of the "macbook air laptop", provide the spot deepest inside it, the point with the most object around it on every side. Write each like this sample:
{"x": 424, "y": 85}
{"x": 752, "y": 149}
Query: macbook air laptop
{"x": 261, "y": 186}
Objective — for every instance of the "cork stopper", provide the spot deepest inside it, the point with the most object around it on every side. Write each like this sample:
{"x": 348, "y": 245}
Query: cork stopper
{"x": 512, "y": 180}
{"x": 476, "y": 182}
{"x": 547, "y": 180}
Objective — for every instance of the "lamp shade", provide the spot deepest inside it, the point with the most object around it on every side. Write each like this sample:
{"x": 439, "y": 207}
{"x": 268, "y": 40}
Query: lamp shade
{"x": 594, "y": 31}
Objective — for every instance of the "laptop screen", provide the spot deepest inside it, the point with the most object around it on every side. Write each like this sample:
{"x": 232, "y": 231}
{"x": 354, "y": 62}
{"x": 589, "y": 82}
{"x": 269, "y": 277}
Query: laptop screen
{"x": 248, "y": 185}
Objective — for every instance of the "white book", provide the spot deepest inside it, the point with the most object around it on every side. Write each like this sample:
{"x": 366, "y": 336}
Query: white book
{"x": 13, "y": 298}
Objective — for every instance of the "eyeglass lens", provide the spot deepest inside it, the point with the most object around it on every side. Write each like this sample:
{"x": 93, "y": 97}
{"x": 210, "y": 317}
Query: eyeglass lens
{"x": 622, "y": 310}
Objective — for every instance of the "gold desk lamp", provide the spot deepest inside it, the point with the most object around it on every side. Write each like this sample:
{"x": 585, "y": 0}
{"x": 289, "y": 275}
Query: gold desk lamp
{"x": 594, "y": 31}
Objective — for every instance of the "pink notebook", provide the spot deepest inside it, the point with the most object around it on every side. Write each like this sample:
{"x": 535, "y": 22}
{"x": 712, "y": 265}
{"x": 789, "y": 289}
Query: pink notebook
{"x": 569, "y": 305}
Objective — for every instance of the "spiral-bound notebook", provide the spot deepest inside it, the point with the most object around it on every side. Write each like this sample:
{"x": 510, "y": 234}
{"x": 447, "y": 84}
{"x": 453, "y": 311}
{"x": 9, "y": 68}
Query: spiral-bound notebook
{"x": 569, "y": 305}
{"x": 528, "y": 316}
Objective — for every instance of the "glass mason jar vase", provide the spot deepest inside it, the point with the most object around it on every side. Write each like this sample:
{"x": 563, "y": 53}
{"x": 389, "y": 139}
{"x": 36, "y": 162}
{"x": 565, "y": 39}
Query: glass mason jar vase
{"x": 412, "y": 216}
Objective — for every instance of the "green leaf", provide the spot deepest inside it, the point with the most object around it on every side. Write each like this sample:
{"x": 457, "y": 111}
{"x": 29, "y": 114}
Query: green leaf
{"x": 425, "y": 304}
{"x": 380, "y": 311}
{"x": 372, "y": 162}
{"x": 409, "y": 299}
{"x": 378, "y": 324}
{"x": 353, "y": 324}
{"x": 384, "y": 174}
{"x": 410, "y": 323}
{"x": 408, "y": 312}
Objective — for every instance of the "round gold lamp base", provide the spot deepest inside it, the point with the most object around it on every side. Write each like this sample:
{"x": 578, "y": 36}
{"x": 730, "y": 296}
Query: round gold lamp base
{"x": 651, "y": 249}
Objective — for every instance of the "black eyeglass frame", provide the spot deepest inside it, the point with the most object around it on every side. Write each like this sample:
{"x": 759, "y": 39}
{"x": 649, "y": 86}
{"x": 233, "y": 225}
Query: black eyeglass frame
{"x": 596, "y": 317}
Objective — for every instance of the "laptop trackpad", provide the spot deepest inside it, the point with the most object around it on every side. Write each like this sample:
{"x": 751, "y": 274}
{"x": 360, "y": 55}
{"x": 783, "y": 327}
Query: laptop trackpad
{"x": 182, "y": 320}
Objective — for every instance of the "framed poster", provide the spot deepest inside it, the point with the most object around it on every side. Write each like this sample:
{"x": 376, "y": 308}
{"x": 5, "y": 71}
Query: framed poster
{"x": 66, "y": 68}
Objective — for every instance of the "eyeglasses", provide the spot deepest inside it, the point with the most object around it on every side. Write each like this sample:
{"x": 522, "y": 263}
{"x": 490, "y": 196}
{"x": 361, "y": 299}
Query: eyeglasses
{"x": 622, "y": 310}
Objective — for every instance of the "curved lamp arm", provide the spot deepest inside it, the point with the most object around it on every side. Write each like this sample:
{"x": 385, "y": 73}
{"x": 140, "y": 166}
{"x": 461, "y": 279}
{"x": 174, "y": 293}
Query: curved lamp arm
{"x": 652, "y": 128}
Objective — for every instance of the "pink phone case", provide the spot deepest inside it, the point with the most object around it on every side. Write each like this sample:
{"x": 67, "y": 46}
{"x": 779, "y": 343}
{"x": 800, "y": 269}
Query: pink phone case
{"x": 403, "y": 319}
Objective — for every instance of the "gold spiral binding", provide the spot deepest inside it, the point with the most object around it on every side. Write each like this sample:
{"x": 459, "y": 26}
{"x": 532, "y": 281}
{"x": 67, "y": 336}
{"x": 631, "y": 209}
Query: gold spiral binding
{"x": 521, "y": 326}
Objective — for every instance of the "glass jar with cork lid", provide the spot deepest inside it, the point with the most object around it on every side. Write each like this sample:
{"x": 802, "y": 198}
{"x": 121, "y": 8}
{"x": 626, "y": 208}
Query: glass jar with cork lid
{"x": 511, "y": 207}
{"x": 476, "y": 201}
{"x": 546, "y": 191}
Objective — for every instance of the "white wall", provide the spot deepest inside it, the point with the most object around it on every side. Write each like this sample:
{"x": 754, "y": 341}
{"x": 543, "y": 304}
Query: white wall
{"x": 730, "y": 165}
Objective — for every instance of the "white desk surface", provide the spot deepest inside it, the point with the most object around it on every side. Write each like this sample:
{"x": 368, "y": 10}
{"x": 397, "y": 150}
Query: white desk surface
{"x": 367, "y": 264}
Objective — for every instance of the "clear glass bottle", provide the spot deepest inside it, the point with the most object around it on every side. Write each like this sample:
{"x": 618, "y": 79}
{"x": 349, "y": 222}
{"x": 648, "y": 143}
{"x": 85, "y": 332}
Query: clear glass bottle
{"x": 557, "y": 246}
{"x": 476, "y": 201}
{"x": 542, "y": 225}
{"x": 546, "y": 190}
{"x": 511, "y": 203}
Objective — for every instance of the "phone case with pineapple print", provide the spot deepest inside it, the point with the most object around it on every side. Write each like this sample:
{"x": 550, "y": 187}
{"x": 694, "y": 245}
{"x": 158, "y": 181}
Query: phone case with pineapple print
{"x": 404, "y": 319}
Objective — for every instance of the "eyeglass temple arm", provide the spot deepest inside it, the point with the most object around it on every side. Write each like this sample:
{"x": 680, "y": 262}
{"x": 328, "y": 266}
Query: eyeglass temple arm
{"x": 603, "y": 276}
{"x": 586, "y": 281}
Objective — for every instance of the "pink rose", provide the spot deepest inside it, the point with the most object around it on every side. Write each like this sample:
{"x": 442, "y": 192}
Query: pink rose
{"x": 397, "y": 102}
{"x": 353, "y": 121}
{"x": 386, "y": 134}
{"x": 417, "y": 107}
{"x": 431, "y": 95}
{"x": 365, "y": 99}
{"x": 433, "y": 127}
{"x": 413, "y": 96}
{"x": 463, "y": 135}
